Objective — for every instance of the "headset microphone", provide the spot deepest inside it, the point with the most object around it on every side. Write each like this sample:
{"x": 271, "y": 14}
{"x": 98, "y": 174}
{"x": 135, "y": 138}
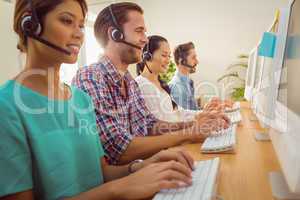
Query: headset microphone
{"x": 189, "y": 66}
{"x": 50, "y": 44}
{"x": 32, "y": 28}
{"x": 148, "y": 67}
{"x": 130, "y": 44}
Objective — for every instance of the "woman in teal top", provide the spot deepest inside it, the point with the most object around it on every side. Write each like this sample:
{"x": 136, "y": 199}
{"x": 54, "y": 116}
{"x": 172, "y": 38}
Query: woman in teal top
{"x": 49, "y": 146}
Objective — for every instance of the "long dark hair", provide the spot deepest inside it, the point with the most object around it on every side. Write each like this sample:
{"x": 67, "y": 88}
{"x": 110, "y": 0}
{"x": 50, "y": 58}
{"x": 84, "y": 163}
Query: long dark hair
{"x": 152, "y": 46}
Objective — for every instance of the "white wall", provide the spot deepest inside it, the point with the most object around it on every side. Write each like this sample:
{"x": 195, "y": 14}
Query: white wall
{"x": 10, "y": 64}
{"x": 220, "y": 29}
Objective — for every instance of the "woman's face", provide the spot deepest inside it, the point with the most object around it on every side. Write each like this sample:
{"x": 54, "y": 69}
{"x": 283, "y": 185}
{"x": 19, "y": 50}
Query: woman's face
{"x": 63, "y": 27}
{"x": 161, "y": 58}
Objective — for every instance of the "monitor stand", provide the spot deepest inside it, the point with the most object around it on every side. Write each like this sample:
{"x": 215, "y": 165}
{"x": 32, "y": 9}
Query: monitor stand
{"x": 280, "y": 189}
{"x": 261, "y": 136}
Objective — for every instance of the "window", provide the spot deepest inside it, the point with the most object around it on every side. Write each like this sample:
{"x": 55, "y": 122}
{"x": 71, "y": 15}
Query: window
{"x": 67, "y": 72}
{"x": 93, "y": 49}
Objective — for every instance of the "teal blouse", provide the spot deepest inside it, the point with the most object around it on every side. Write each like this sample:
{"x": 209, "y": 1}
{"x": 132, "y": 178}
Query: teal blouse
{"x": 49, "y": 146}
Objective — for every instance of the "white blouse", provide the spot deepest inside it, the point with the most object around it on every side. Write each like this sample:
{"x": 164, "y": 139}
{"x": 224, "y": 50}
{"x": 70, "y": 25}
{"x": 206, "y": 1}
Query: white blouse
{"x": 159, "y": 103}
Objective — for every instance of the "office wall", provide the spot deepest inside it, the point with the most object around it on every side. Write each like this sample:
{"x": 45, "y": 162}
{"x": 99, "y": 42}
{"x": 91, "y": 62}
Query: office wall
{"x": 10, "y": 63}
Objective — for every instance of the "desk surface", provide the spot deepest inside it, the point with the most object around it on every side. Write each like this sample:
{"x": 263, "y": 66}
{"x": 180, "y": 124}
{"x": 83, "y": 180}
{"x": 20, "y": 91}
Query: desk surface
{"x": 244, "y": 175}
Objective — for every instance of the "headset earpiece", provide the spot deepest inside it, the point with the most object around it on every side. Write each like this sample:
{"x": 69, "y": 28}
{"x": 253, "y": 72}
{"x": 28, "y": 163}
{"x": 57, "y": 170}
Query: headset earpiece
{"x": 30, "y": 26}
{"x": 147, "y": 56}
{"x": 182, "y": 59}
{"x": 117, "y": 35}
{"x": 184, "y": 62}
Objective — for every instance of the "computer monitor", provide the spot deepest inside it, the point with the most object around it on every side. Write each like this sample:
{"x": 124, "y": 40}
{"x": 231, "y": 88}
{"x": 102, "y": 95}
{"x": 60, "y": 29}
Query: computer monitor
{"x": 285, "y": 132}
{"x": 250, "y": 74}
{"x": 265, "y": 89}
{"x": 258, "y": 72}
{"x": 257, "y": 81}
{"x": 264, "y": 94}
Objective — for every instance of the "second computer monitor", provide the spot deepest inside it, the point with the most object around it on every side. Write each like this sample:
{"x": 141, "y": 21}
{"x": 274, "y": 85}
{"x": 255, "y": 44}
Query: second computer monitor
{"x": 250, "y": 76}
{"x": 285, "y": 133}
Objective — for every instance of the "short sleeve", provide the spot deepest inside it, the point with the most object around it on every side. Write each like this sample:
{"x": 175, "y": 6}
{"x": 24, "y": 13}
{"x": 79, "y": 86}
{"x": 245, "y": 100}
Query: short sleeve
{"x": 15, "y": 157}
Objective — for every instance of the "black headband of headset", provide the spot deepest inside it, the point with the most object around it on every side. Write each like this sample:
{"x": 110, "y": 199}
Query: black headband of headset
{"x": 148, "y": 45}
{"x": 181, "y": 54}
{"x": 115, "y": 22}
{"x": 33, "y": 12}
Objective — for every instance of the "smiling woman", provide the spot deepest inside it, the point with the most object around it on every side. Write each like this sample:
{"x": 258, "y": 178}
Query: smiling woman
{"x": 156, "y": 59}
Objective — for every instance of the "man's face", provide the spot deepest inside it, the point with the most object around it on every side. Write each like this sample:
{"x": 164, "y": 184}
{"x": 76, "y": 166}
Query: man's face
{"x": 192, "y": 59}
{"x": 135, "y": 32}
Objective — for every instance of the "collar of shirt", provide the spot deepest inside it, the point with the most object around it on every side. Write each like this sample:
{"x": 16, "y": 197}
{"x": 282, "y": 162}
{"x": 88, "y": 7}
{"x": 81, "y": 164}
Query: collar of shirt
{"x": 110, "y": 70}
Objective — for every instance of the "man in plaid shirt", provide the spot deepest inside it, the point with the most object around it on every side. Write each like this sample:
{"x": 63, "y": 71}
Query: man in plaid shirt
{"x": 122, "y": 117}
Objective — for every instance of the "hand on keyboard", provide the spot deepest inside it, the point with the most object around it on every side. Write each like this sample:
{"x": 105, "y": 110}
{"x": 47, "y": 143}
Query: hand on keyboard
{"x": 153, "y": 178}
{"x": 203, "y": 187}
{"x": 210, "y": 122}
{"x": 220, "y": 132}
{"x": 217, "y": 105}
{"x": 223, "y": 142}
{"x": 179, "y": 155}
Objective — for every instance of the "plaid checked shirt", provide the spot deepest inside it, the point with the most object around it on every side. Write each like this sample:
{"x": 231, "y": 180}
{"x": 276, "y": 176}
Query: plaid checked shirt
{"x": 118, "y": 119}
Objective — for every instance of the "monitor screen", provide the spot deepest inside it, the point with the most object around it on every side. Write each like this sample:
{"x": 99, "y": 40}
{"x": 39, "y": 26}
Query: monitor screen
{"x": 289, "y": 88}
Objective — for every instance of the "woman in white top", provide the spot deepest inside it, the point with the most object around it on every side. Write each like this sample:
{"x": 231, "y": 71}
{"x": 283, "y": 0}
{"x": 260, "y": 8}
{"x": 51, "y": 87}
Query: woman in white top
{"x": 156, "y": 58}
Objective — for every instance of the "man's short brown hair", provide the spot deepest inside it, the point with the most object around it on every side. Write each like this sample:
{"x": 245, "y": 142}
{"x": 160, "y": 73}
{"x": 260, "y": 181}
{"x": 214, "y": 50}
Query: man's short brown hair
{"x": 182, "y": 51}
{"x": 104, "y": 19}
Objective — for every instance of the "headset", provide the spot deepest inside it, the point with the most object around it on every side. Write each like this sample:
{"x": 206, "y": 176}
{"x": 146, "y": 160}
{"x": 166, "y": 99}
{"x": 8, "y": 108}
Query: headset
{"x": 184, "y": 61}
{"x": 31, "y": 27}
{"x": 147, "y": 55}
{"x": 117, "y": 34}
{"x": 183, "y": 58}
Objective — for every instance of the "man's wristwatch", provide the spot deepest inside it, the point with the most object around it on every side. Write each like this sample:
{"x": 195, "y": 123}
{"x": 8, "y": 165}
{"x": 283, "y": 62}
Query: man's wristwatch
{"x": 130, "y": 170}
